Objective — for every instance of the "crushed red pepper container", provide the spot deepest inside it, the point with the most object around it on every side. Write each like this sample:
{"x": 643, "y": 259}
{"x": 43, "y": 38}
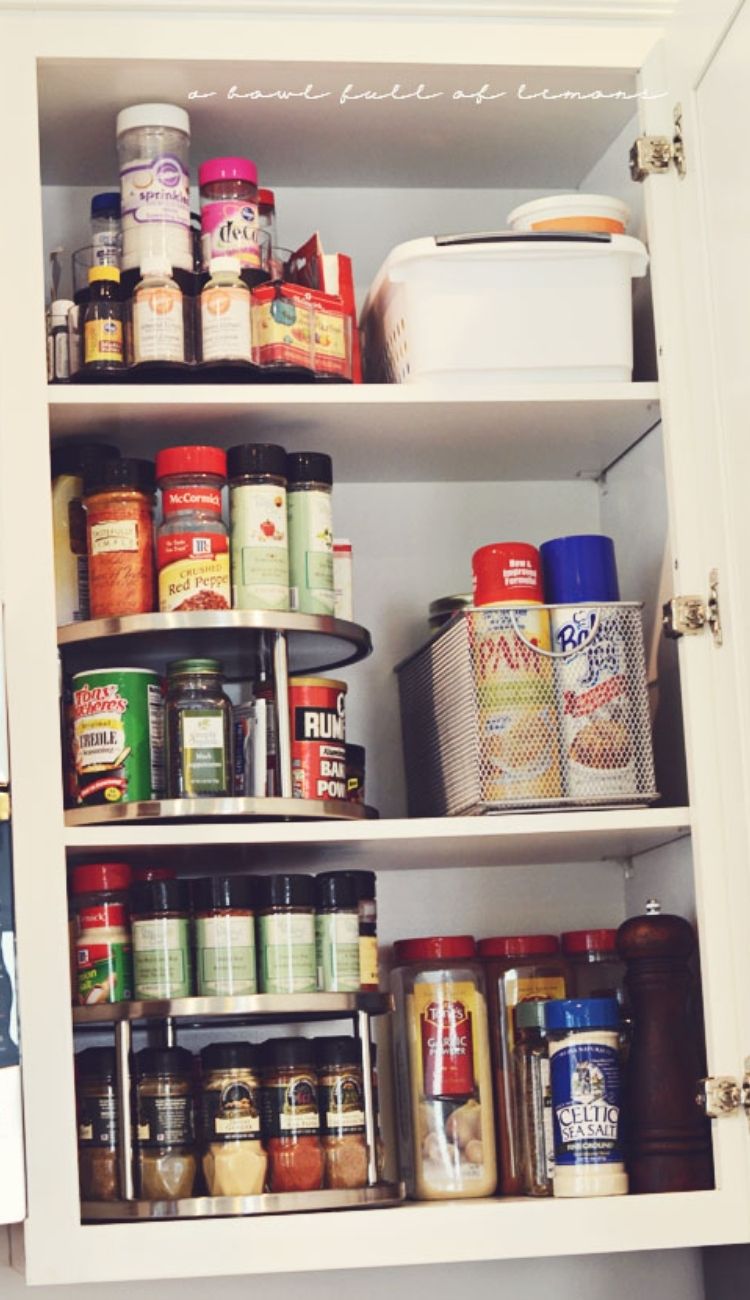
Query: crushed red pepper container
{"x": 192, "y": 542}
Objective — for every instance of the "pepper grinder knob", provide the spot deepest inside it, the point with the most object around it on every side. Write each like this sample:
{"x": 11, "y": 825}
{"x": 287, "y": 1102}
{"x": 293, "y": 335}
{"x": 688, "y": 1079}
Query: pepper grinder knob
{"x": 653, "y": 907}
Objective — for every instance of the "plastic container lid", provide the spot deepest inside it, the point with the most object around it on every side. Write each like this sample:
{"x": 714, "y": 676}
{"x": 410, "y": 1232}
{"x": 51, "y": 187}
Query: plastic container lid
{"x": 104, "y": 273}
{"x": 530, "y": 1015}
{"x": 580, "y": 568}
{"x": 338, "y": 1051}
{"x": 191, "y": 460}
{"x": 267, "y": 198}
{"x": 163, "y": 1060}
{"x": 159, "y": 896}
{"x": 335, "y": 891}
{"x": 589, "y": 941}
{"x": 101, "y": 877}
{"x": 224, "y": 893}
{"x": 109, "y": 475}
{"x": 229, "y": 265}
{"x": 309, "y": 467}
{"x": 153, "y": 873}
{"x": 286, "y": 891}
{"x": 59, "y": 310}
{"x": 156, "y": 264}
{"x": 287, "y": 1051}
{"x": 582, "y": 1013}
{"x": 520, "y": 945}
{"x": 507, "y": 573}
{"x": 451, "y": 947}
{"x": 184, "y": 667}
{"x": 106, "y": 205}
{"x": 77, "y": 457}
{"x": 355, "y": 754}
{"x": 590, "y": 212}
{"x": 167, "y": 115}
{"x": 228, "y": 169}
{"x": 364, "y": 881}
{"x": 257, "y": 458}
{"x": 96, "y": 1062}
{"x": 230, "y": 1056}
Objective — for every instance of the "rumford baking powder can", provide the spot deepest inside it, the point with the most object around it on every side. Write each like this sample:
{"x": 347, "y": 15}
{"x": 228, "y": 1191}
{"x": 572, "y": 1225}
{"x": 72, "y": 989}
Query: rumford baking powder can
{"x": 117, "y": 735}
{"x": 318, "y": 736}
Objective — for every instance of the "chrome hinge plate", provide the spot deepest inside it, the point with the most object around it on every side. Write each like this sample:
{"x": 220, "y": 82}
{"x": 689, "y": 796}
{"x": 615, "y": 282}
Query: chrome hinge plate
{"x": 652, "y": 155}
{"x": 722, "y": 1094}
{"x": 689, "y": 615}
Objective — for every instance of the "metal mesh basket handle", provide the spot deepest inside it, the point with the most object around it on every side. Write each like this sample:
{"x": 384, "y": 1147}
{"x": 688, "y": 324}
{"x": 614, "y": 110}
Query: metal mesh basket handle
{"x": 558, "y": 654}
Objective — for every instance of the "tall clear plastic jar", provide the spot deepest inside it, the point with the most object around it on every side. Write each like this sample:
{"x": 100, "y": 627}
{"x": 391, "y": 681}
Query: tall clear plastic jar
{"x": 596, "y": 968}
{"x": 153, "y": 143}
{"x": 443, "y": 1069}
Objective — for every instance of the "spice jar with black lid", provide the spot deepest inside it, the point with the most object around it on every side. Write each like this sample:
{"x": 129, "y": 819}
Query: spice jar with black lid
{"x": 225, "y": 936}
{"x": 342, "y": 1111}
{"x": 259, "y": 531}
{"x": 287, "y": 961}
{"x": 160, "y": 924}
{"x": 337, "y": 932}
{"x": 96, "y": 1105}
{"x": 166, "y": 1161}
{"x": 291, "y": 1119}
{"x": 364, "y": 883}
{"x": 234, "y": 1157}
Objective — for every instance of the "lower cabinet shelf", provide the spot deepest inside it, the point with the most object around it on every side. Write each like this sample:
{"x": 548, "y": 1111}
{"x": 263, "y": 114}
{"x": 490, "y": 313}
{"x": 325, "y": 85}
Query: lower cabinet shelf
{"x": 223, "y": 1207}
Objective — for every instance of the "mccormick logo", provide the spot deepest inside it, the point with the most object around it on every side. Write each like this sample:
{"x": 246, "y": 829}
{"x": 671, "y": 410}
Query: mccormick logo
{"x": 98, "y": 699}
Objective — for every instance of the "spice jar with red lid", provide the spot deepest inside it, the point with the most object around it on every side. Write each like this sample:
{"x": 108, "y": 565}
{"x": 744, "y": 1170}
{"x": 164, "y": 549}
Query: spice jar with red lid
{"x": 443, "y": 1069}
{"x": 103, "y": 953}
{"x": 192, "y": 541}
{"x": 596, "y": 968}
{"x": 519, "y": 968}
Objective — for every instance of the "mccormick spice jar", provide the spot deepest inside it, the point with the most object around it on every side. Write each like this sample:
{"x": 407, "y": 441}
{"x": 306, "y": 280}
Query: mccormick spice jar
{"x": 443, "y": 1069}
{"x": 257, "y": 506}
{"x": 310, "y": 481}
{"x": 96, "y": 1107}
{"x": 291, "y": 1119}
{"x": 160, "y": 921}
{"x": 117, "y": 722}
{"x": 229, "y": 210}
{"x": 166, "y": 1160}
{"x": 225, "y": 936}
{"x": 104, "y": 956}
{"x": 119, "y": 503}
{"x": 234, "y": 1157}
{"x": 198, "y": 731}
{"x": 342, "y": 1111}
{"x": 317, "y": 725}
{"x": 519, "y": 968}
{"x": 337, "y": 932}
{"x": 192, "y": 544}
{"x": 287, "y": 959}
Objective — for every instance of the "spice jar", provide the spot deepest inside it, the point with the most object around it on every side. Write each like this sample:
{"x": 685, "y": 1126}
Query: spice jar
{"x": 234, "y": 1157}
{"x": 225, "y": 936}
{"x": 596, "y": 968}
{"x": 258, "y": 513}
{"x": 531, "y": 1067}
{"x": 267, "y": 227}
{"x": 584, "y": 1050}
{"x": 367, "y": 907}
{"x": 192, "y": 542}
{"x": 104, "y": 957}
{"x": 153, "y": 142}
{"x": 342, "y": 1111}
{"x": 198, "y": 731}
{"x": 158, "y": 328}
{"x": 166, "y": 1162}
{"x": 310, "y": 479}
{"x": 225, "y": 313}
{"x": 443, "y": 1069}
{"x": 355, "y": 773}
{"x": 69, "y": 462}
{"x": 96, "y": 1107}
{"x": 58, "y": 343}
{"x": 291, "y": 1120}
{"x": 287, "y": 960}
{"x": 161, "y": 940}
{"x": 106, "y": 237}
{"x": 103, "y": 317}
{"x": 337, "y": 932}
{"x": 520, "y": 968}
{"x": 119, "y": 501}
{"x": 229, "y": 210}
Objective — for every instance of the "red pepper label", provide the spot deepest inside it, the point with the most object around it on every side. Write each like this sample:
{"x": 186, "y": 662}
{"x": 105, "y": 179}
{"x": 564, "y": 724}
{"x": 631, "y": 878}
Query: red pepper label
{"x": 447, "y": 1049}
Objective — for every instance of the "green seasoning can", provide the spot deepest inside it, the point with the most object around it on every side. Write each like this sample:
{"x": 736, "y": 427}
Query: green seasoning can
{"x": 310, "y": 479}
{"x": 286, "y": 934}
{"x": 160, "y": 924}
{"x": 199, "y": 731}
{"x": 118, "y": 735}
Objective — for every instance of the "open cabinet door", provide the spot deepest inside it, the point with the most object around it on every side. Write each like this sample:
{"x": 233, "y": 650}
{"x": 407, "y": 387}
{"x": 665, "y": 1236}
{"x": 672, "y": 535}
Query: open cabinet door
{"x": 700, "y": 243}
{"x": 12, "y": 1171}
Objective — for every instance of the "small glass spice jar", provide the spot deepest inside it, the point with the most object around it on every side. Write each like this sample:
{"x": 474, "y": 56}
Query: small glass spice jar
{"x": 119, "y": 503}
{"x": 192, "y": 541}
{"x": 234, "y": 1157}
{"x": 342, "y": 1111}
{"x": 364, "y": 883}
{"x": 229, "y": 210}
{"x": 96, "y": 1109}
{"x": 199, "y": 730}
{"x": 166, "y": 1159}
{"x": 531, "y": 1066}
{"x": 160, "y": 922}
{"x": 103, "y": 322}
{"x": 597, "y": 970}
{"x": 259, "y": 533}
{"x": 337, "y": 932}
{"x": 104, "y": 957}
{"x": 287, "y": 960}
{"x": 291, "y": 1118}
{"x": 224, "y": 909}
{"x": 225, "y": 313}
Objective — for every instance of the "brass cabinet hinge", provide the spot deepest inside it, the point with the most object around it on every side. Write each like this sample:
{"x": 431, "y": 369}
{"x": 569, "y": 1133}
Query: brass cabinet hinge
{"x": 654, "y": 154}
{"x": 688, "y": 615}
{"x": 722, "y": 1095}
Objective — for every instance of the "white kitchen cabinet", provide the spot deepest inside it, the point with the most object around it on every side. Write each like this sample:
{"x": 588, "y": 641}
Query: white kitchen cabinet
{"x": 420, "y": 483}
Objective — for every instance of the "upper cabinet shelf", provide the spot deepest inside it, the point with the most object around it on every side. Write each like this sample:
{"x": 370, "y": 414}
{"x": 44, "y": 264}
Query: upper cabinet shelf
{"x": 379, "y": 433}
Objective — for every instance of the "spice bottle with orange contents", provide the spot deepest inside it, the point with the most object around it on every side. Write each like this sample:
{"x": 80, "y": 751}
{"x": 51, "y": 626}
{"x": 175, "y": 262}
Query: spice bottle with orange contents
{"x": 291, "y": 1119}
{"x": 119, "y": 501}
{"x": 192, "y": 544}
{"x": 443, "y": 1069}
{"x": 519, "y": 968}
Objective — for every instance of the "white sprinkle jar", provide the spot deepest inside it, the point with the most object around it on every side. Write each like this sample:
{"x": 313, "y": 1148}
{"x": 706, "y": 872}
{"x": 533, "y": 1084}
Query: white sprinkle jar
{"x": 153, "y": 143}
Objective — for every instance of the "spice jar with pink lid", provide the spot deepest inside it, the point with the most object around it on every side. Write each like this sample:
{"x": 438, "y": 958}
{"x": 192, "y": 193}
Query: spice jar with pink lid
{"x": 229, "y": 210}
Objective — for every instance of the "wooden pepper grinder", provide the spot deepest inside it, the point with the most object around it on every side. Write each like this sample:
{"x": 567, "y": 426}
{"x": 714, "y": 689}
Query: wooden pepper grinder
{"x": 668, "y": 1139}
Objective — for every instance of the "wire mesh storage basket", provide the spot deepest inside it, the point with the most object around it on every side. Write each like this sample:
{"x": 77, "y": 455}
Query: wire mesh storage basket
{"x": 542, "y": 707}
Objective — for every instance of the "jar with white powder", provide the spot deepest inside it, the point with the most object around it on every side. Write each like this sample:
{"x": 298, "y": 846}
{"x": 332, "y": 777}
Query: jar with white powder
{"x": 153, "y": 142}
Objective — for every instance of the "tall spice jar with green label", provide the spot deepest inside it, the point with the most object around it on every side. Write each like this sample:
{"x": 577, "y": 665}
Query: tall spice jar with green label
{"x": 160, "y": 922}
{"x": 337, "y": 932}
{"x": 259, "y": 530}
{"x": 225, "y": 936}
{"x": 310, "y": 480}
{"x": 287, "y": 960}
{"x": 198, "y": 731}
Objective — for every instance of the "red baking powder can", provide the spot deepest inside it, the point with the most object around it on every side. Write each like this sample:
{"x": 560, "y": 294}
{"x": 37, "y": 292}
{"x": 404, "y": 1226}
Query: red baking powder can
{"x": 507, "y": 573}
{"x": 318, "y": 735}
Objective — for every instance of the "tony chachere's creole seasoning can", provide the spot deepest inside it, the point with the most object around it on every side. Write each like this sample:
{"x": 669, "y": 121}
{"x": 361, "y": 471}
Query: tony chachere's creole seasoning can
{"x": 318, "y": 734}
{"x": 516, "y": 710}
{"x": 118, "y": 735}
{"x": 584, "y": 1049}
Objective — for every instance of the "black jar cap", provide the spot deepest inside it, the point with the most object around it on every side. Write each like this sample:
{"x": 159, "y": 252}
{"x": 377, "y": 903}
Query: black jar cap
{"x": 229, "y": 1056}
{"x": 163, "y": 1060}
{"x": 126, "y": 473}
{"x": 147, "y": 896}
{"x": 80, "y": 457}
{"x": 355, "y": 754}
{"x": 96, "y": 1062}
{"x": 336, "y": 891}
{"x": 222, "y": 893}
{"x": 286, "y": 891}
{"x": 256, "y": 458}
{"x": 309, "y": 467}
{"x": 278, "y": 1052}
{"x": 338, "y": 1051}
{"x": 364, "y": 883}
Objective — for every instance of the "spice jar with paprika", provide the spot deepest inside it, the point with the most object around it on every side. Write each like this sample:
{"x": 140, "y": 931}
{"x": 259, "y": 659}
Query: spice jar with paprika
{"x": 291, "y": 1120}
{"x": 119, "y": 500}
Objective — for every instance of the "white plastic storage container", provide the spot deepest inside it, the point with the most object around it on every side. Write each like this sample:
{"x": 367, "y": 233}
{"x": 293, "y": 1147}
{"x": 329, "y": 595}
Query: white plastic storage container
{"x": 479, "y": 309}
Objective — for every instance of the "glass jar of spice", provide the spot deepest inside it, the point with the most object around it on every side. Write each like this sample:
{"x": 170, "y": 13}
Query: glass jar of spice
{"x": 166, "y": 1162}
{"x": 192, "y": 542}
{"x": 596, "y": 968}
{"x": 531, "y": 1066}
{"x": 234, "y": 1157}
{"x": 287, "y": 960}
{"x": 258, "y": 511}
{"x": 310, "y": 485}
{"x": 367, "y": 907}
{"x": 160, "y": 922}
{"x": 291, "y": 1120}
{"x": 104, "y": 958}
{"x": 337, "y": 932}
{"x": 342, "y": 1111}
{"x": 96, "y": 1105}
{"x": 225, "y": 936}
{"x": 198, "y": 731}
{"x": 119, "y": 502}
{"x": 103, "y": 332}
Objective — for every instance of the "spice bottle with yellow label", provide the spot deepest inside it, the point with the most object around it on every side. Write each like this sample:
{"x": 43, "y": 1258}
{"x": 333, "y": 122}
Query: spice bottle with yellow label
{"x": 103, "y": 335}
